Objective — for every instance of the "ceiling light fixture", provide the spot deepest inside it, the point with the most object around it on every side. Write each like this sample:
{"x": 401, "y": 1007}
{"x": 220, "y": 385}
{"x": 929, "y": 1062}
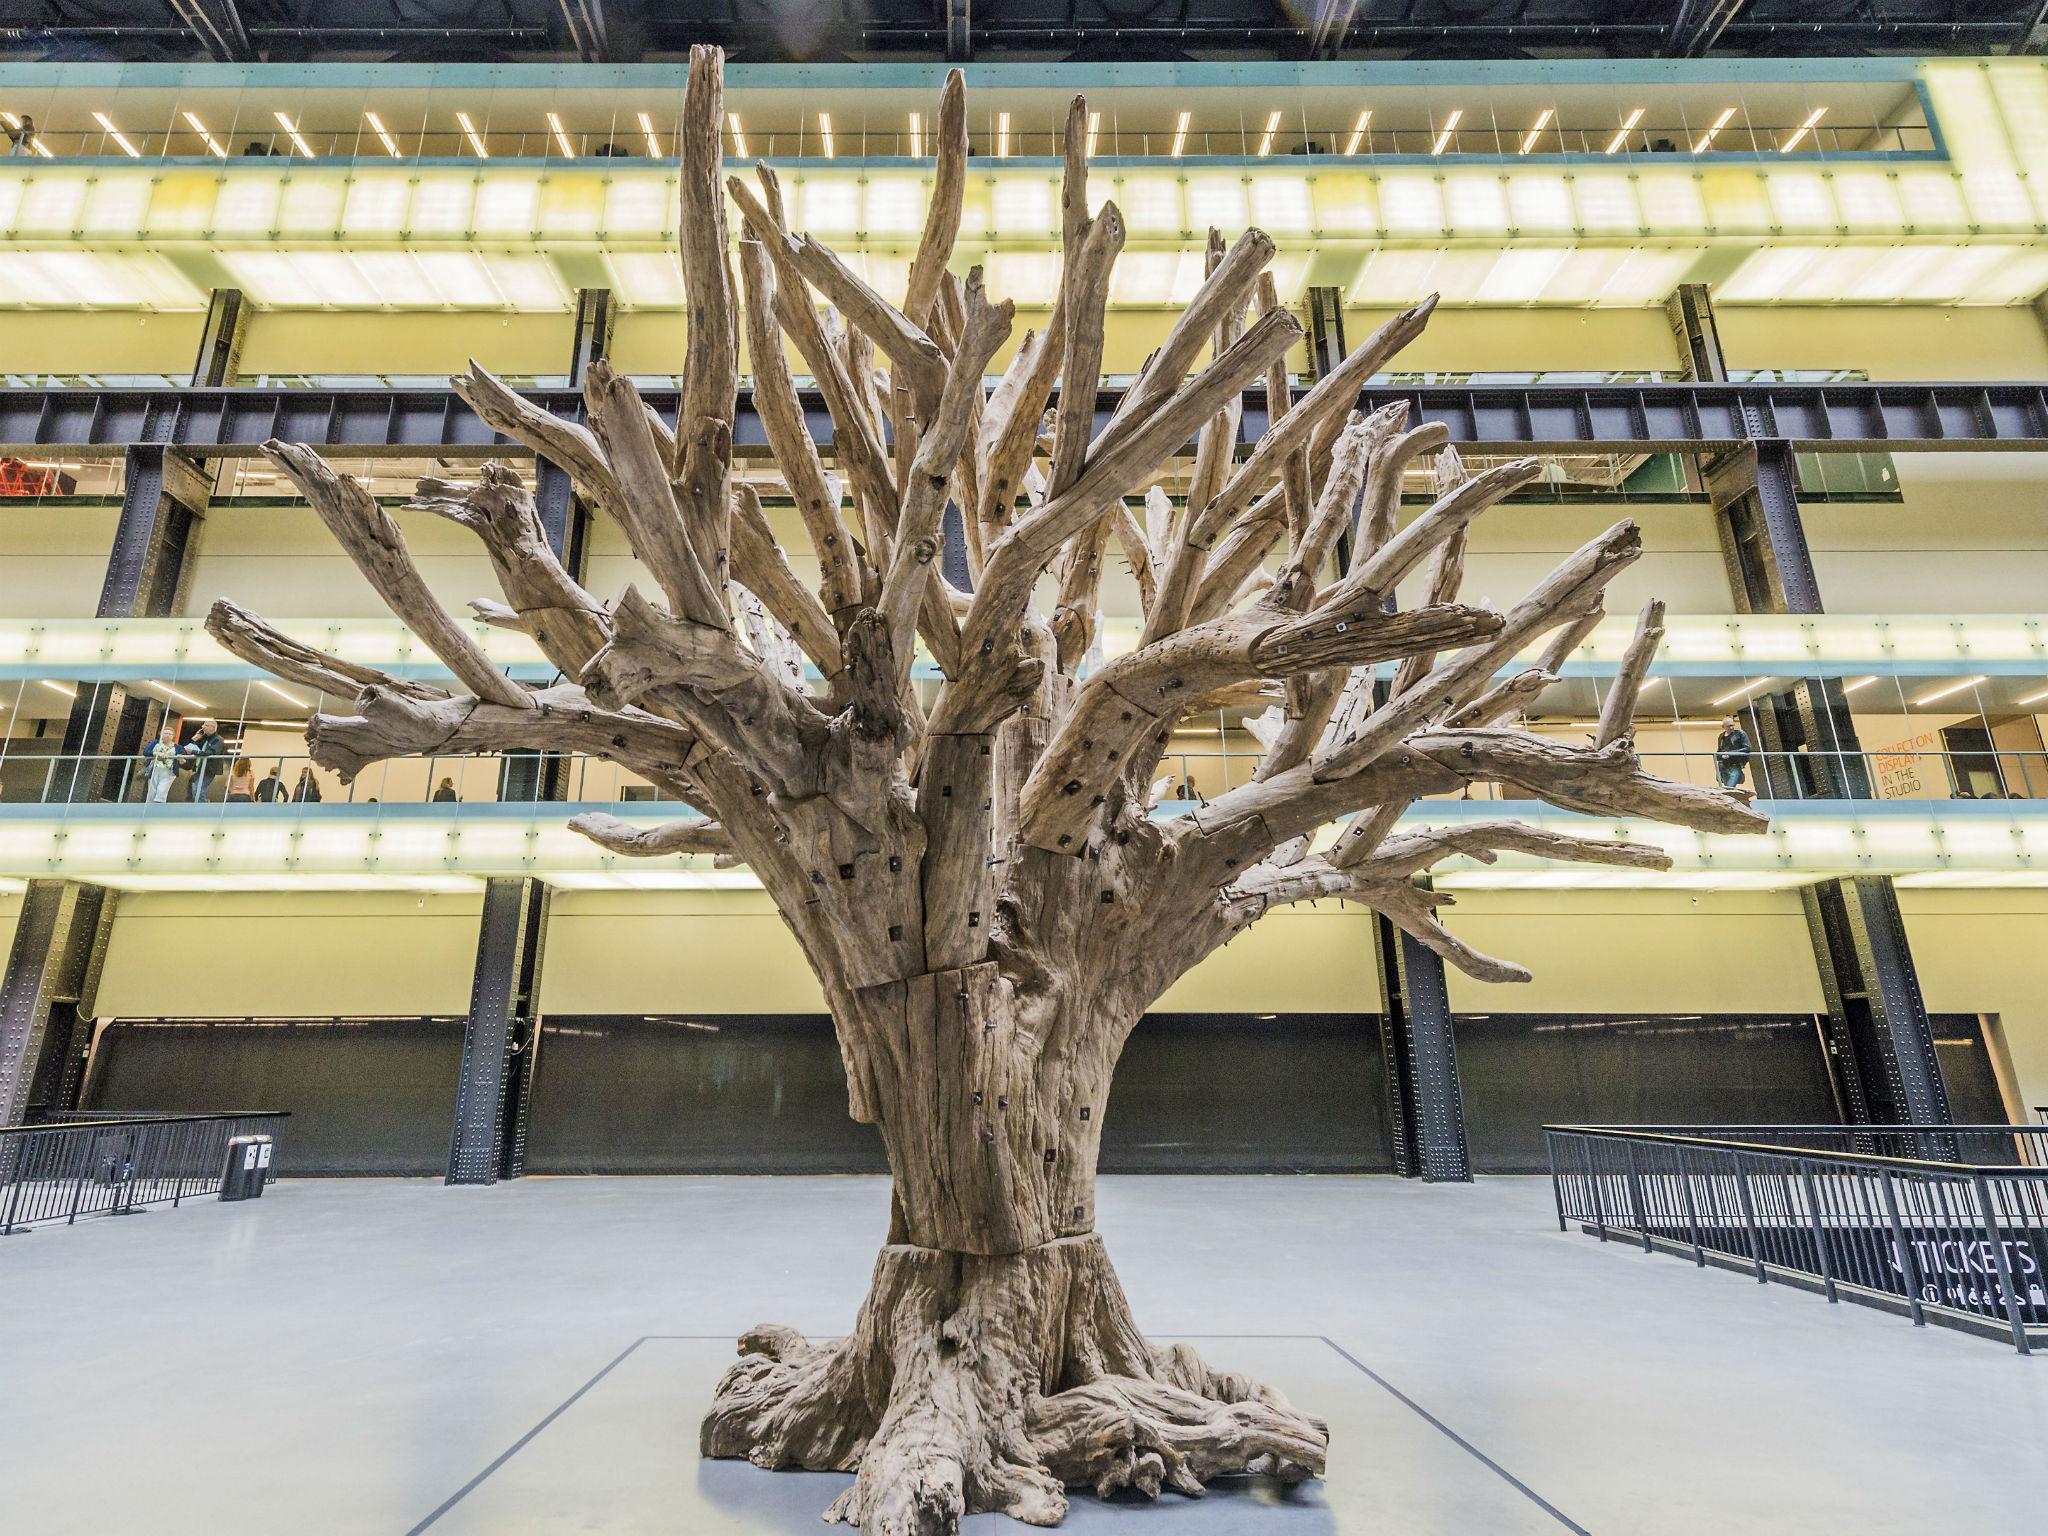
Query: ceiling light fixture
{"x": 1861, "y": 682}
{"x": 1443, "y": 139}
{"x": 739, "y": 134}
{"x": 118, "y": 136}
{"x": 64, "y": 688}
{"x": 1003, "y": 135}
{"x": 1542, "y": 122}
{"x": 825, "y": 132}
{"x": 1803, "y": 130}
{"x": 213, "y": 145}
{"x": 917, "y": 136}
{"x": 291, "y": 128}
{"x": 1706, "y": 140}
{"x": 1744, "y": 691}
{"x": 561, "y": 136}
{"x": 1621, "y": 135}
{"x": 2033, "y": 698}
{"x": 289, "y": 698}
{"x": 377, "y": 127}
{"x": 1180, "y": 133}
{"x": 1358, "y": 132}
{"x": 1094, "y": 132}
{"x": 476, "y": 140}
{"x": 1941, "y": 693}
{"x": 653, "y": 143}
{"x": 1266, "y": 139}
{"x": 182, "y": 698}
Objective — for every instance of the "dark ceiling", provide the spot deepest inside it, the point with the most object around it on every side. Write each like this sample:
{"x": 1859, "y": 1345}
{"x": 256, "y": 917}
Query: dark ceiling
{"x": 763, "y": 30}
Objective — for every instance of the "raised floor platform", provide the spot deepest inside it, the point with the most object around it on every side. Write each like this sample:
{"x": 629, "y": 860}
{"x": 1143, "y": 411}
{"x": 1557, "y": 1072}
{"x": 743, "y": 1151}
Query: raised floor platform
{"x": 395, "y": 1357}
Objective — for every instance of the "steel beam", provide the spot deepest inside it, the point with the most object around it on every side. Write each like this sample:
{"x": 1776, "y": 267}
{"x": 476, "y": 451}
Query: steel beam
{"x": 500, "y": 1038}
{"x": 1881, "y": 1041}
{"x": 46, "y": 997}
{"x": 1418, "y": 1044}
{"x": 220, "y": 343}
{"x": 1708, "y": 418}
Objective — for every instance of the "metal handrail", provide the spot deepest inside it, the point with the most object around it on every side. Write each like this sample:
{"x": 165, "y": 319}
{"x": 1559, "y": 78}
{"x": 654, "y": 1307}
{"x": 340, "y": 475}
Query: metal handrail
{"x": 99, "y": 1123}
{"x": 1637, "y": 1133}
{"x": 60, "y": 1171}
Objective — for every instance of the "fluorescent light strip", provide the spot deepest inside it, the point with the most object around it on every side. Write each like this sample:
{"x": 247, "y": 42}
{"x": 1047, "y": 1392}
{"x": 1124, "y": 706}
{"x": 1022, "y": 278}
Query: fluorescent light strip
{"x": 1953, "y": 688}
{"x": 654, "y": 144}
{"x": 1529, "y": 139}
{"x": 1180, "y": 133}
{"x": 1094, "y": 131}
{"x": 117, "y": 135}
{"x": 1804, "y": 129}
{"x": 10, "y": 119}
{"x": 917, "y": 136}
{"x": 64, "y": 688}
{"x": 1861, "y": 682}
{"x": 182, "y": 698}
{"x": 377, "y": 127}
{"x": 213, "y": 145}
{"x": 1266, "y": 140}
{"x": 292, "y": 129}
{"x": 1744, "y": 691}
{"x": 289, "y": 698}
{"x": 1621, "y": 136}
{"x": 739, "y": 134}
{"x": 2033, "y": 698}
{"x": 1003, "y": 134}
{"x": 1706, "y": 140}
{"x": 1358, "y": 132}
{"x": 1450, "y": 127}
{"x": 825, "y": 133}
{"x": 476, "y": 140}
{"x": 561, "y": 137}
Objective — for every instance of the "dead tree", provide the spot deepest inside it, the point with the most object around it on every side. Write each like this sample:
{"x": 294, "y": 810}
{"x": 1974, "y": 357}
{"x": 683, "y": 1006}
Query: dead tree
{"x": 974, "y": 871}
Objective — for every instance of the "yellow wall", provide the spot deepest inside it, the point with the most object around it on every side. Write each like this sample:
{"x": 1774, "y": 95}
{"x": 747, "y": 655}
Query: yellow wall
{"x": 1987, "y": 952}
{"x": 673, "y": 952}
{"x": 1631, "y": 951}
{"x": 1300, "y": 960}
{"x": 100, "y": 341}
{"x": 234, "y": 954}
{"x": 281, "y": 562}
{"x": 298, "y": 341}
{"x": 53, "y": 560}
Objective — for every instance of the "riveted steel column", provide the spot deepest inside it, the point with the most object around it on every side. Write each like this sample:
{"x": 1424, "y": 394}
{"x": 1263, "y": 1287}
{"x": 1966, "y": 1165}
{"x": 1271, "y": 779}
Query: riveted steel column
{"x": 220, "y": 343}
{"x": 1425, "y": 1107}
{"x": 46, "y": 997}
{"x": 1325, "y": 329}
{"x": 500, "y": 1038}
{"x": 1880, "y": 1040}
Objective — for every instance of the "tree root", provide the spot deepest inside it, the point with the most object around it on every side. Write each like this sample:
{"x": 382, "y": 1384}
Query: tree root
{"x": 975, "y": 1383}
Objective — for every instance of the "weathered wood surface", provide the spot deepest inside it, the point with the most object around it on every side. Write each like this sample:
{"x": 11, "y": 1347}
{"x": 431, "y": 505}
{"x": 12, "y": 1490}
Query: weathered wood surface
{"x": 971, "y": 869}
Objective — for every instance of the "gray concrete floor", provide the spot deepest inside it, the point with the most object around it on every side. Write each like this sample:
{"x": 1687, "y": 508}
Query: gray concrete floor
{"x": 393, "y": 1357}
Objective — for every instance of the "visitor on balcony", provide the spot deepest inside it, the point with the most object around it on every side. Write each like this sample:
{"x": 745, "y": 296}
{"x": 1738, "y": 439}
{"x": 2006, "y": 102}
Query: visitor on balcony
{"x": 202, "y": 755}
{"x": 160, "y": 760}
{"x": 307, "y": 790}
{"x": 445, "y": 790}
{"x": 1731, "y": 753}
{"x": 242, "y": 783}
{"x": 270, "y": 788}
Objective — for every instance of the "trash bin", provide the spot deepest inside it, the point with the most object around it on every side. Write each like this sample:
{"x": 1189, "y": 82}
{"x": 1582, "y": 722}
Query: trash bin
{"x": 248, "y": 1168}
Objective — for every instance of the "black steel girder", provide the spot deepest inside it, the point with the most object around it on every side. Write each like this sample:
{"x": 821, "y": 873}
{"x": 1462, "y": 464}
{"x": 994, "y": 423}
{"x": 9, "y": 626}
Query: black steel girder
{"x": 1542, "y": 418}
{"x": 499, "y": 1037}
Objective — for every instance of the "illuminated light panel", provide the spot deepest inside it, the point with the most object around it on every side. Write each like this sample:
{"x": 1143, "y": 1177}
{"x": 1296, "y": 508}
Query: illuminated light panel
{"x": 476, "y": 140}
{"x": 1094, "y": 132}
{"x": 1180, "y": 135}
{"x": 1003, "y": 134}
{"x": 917, "y": 135}
{"x": 1450, "y": 127}
{"x": 383, "y": 135}
{"x": 214, "y": 147}
{"x": 653, "y": 143}
{"x": 1938, "y": 694}
{"x": 1865, "y": 682}
{"x": 1358, "y": 132}
{"x": 2033, "y": 698}
{"x": 1621, "y": 134}
{"x": 1266, "y": 139}
{"x": 117, "y": 136}
{"x": 1535, "y": 132}
{"x": 66, "y": 689}
{"x": 1705, "y": 141}
{"x": 289, "y": 698}
{"x": 561, "y": 136}
{"x": 739, "y": 134}
{"x": 1744, "y": 691}
{"x": 1799, "y": 133}
{"x": 292, "y": 132}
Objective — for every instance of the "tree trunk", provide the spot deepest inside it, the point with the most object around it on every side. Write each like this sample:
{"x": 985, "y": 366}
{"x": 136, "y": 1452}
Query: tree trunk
{"x": 995, "y": 1362}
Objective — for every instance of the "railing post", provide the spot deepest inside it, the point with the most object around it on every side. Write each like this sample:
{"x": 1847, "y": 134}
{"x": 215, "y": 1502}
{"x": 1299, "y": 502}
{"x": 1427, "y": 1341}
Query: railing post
{"x": 1692, "y": 1209}
{"x": 1556, "y": 1189}
{"x": 1593, "y": 1189}
{"x": 92, "y": 1149}
{"x": 1909, "y": 1265}
{"x": 1993, "y": 1234}
{"x": 1635, "y": 1195}
{"x": 1820, "y": 1237}
{"x": 1756, "y": 1251}
{"x": 24, "y": 1154}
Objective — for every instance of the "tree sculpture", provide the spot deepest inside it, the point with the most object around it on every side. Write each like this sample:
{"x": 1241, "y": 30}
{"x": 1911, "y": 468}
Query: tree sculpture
{"x": 975, "y": 876}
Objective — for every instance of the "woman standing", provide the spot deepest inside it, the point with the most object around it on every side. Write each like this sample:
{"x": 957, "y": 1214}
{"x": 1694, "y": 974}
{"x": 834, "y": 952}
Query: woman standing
{"x": 241, "y": 783}
{"x": 161, "y": 761}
